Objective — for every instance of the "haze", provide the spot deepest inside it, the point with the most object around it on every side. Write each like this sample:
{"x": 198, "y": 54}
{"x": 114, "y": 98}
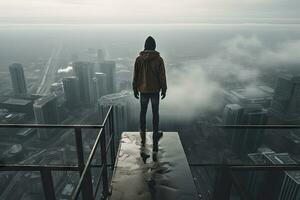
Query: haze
{"x": 155, "y": 11}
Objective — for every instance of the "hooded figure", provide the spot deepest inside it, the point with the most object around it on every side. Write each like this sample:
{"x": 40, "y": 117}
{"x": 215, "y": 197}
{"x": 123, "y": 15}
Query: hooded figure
{"x": 149, "y": 80}
{"x": 149, "y": 71}
{"x": 150, "y": 44}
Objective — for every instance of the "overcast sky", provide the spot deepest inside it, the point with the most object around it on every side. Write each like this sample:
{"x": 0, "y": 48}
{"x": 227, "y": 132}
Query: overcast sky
{"x": 155, "y": 11}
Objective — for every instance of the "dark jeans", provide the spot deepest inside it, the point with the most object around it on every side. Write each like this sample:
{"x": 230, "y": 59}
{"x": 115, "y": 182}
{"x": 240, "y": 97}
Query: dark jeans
{"x": 144, "y": 100}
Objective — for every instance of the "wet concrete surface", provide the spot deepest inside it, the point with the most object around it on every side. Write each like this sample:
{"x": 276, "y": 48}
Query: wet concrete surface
{"x": 138, "y": 177}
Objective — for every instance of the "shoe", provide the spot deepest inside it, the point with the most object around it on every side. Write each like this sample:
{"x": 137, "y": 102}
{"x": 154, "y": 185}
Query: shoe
{"x": 144, "y": 157}
{"x": 143, "y": 138}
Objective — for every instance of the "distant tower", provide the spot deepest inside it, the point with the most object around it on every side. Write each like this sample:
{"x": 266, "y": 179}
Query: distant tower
{"x": 71, "y": 90}
{"x": 100, "y": 84}
{"x": 100, "y": 56}
{"x": 285, "y": 104}
{"x": 246, "y": 141}
{"x": 84, "y": 71}
{"x": 18, "y": 79}
{"x": 46, "y": 112}
{"x": 109, "y": 68}
{"x": 123, "y": 80}
{"x": 121, "y": 103}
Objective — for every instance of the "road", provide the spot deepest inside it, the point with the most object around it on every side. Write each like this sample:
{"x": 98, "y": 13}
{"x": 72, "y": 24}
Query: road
{"x": 50, "y": 71}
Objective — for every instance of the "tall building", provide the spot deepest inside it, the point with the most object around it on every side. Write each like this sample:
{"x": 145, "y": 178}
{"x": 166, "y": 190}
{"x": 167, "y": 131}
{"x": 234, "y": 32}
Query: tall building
{"x": 124, "y": 79}
{"x": 100, "y": 55}
{"x": 121, "y": 105}
{"x": 46, "y": 112}
{"x": 18, "y": 105}
{"x": 232, "y": 115}
{"x": 100, "y": 84}
{"x": 109, "y": 68}
{"x": 84, "y": 71}
{"x": 71, "y": 91}
{"x": 18, "y": 79}
{"x": 285, "y": 184}
{"x": 290, "y": 188}
{"x": 285, "y": 104}
{"x": 246, "y": 141}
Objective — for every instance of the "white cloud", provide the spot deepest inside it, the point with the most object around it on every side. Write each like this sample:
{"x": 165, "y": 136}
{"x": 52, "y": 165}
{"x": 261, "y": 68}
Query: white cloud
{"x": 196, "y": 85}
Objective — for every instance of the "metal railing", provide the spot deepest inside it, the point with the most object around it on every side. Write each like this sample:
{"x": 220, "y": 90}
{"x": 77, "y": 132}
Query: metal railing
{"x": 85, "y": 181}
{"x": 84, "y": 185}
{"x": 228, "y": 170}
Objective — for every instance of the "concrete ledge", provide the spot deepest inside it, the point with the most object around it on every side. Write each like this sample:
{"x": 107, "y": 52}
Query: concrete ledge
{"x": 168, "y": 178}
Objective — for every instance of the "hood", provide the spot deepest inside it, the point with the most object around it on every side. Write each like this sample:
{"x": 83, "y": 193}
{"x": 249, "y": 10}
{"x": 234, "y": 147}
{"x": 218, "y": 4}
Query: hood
{"x": 149, "y": 54}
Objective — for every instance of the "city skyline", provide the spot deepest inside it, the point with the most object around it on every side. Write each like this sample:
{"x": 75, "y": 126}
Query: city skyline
{"x": 217, "y": 75}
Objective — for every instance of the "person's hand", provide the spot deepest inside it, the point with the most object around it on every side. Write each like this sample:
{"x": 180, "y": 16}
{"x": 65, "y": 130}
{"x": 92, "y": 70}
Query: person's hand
{"x": 163, "y": 95}
{"x": 136, "y": 94}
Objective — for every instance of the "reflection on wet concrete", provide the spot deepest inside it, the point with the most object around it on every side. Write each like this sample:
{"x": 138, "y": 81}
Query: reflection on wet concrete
{"x": 136, "y": 176}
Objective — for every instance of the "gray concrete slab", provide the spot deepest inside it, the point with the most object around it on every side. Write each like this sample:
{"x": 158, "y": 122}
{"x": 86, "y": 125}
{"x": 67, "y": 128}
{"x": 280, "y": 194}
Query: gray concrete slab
{"x": 168, "y": 178}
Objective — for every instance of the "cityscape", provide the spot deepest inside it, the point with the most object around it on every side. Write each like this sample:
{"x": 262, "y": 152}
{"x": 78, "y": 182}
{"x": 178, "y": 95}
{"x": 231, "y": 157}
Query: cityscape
{"x": 78, "y": 87}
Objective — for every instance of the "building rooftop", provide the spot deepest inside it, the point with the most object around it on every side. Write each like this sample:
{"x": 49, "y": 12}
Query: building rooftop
{"x": 19, "y": 102}
{"x": 279, "y": 158}
{"x": 257, "y": 158}
{"x": 259, "y": 94}
{"x": 255, "y": 92}
{"x": 42, "y": 101}
{"x": 115, "y": 98}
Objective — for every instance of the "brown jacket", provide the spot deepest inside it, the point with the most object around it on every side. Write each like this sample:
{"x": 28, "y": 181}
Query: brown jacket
{"x": 149, "y": 73}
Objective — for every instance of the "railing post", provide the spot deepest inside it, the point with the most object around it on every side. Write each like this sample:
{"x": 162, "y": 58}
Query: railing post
{"x": 48, "y": 186}
{"x": 105, "y": 190}
{"x": 87, "y": 187}
{"x": 112, "y": 133}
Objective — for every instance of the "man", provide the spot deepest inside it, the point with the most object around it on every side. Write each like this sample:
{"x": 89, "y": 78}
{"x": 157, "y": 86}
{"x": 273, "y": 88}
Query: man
{"x": 149, "y": 80}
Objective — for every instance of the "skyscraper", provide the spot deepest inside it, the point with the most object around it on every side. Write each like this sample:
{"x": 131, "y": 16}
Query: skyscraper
{"x": 232, "y": 115}
{"x": 84, "y": 71}
{"x": 246, "y": 141}
{"x": 285, "y": 184}
{"x": 285, "y": 104}
{"x": 18, "y": 79}
{"x": 100, "y": 84}
{"x": 109, "y": 68}
{"x": 123, "y": 79}
{"x": 46, "y": 112}
{"x": 100, "y": 56}
{"x": 71, "y": 91}
{"x": 121, "y": 104}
